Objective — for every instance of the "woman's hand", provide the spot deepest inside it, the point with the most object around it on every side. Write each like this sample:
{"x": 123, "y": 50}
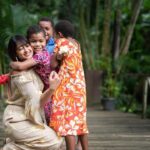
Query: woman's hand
{"x": 54, "y": 80}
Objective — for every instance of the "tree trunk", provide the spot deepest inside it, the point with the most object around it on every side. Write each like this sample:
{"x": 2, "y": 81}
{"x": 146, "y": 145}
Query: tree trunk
{"x": 106, "y": 28}
{"x": 128, "y": 36}
{"x": 97, "y": 28}
{"x": 116, "y": 36}
{"x": 83, "y": 38}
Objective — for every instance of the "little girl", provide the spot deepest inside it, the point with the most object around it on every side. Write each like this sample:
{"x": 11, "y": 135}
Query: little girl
{"x": 40, "y": 60}
{"x": 68, "y": 117}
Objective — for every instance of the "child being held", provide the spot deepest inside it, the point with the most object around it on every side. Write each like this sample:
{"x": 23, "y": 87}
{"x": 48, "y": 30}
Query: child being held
{"x": 40, "y": 60}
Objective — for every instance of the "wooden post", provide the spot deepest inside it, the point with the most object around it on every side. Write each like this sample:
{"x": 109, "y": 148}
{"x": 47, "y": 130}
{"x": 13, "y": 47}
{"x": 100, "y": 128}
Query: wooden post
{"x": 147, "y": 82}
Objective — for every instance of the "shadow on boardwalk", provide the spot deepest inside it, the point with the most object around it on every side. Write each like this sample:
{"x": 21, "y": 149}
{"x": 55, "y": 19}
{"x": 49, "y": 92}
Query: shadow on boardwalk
{"x": 113, "y": 130}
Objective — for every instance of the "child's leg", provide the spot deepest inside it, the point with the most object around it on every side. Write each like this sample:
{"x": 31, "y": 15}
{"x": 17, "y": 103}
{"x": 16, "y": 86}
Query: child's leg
{"x": 47, "y": 110}
{"x": 78, "y": 145}
{"x": 70, "y": 142}
{"x": 84, "y": 141}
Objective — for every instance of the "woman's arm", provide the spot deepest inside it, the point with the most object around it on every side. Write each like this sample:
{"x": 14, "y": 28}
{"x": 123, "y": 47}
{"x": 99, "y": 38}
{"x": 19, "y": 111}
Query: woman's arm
{"x": 34, "y": 98}
{"x": 54, "y": 81}
{"x": 23, "y": 65}
{"x": 28, "y": 89}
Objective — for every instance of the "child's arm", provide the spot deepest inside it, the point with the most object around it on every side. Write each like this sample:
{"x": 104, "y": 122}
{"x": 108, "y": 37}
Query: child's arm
{"x": 55, "y": 60}
{"x": 60, "y": 52}
{"x": 23, "y": 65}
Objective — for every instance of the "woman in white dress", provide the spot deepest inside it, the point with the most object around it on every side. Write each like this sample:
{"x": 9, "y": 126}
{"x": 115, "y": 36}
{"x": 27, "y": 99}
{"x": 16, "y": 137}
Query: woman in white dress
{"x": 23, "y": 118}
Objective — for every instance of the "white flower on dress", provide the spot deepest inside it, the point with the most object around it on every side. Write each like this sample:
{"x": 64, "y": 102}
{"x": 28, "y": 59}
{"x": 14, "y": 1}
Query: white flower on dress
{"x": 63, "y": 50}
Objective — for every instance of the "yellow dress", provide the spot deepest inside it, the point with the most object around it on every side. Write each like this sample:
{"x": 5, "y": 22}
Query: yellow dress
{"x": 69, "y": 100}
{"x": 23, "y": 118}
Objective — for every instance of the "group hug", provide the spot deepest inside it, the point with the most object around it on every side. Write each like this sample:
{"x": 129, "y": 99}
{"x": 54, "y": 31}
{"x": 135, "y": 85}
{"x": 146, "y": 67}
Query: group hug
{"x": 46, "y": 105}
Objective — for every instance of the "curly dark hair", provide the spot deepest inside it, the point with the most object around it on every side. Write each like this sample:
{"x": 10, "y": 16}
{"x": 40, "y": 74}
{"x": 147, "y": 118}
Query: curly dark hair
{"x": 66, "y": 28}
{"x": 34, "y": 29}
{"x": 47, "y": 19}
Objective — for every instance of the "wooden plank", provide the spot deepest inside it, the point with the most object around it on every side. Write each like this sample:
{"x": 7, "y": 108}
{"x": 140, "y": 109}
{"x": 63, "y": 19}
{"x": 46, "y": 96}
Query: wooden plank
{"x": 113, "y": 130}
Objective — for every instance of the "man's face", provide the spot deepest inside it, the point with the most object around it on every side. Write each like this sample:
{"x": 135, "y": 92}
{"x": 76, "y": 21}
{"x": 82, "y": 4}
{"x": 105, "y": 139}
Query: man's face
{"x": 47, "y": 26}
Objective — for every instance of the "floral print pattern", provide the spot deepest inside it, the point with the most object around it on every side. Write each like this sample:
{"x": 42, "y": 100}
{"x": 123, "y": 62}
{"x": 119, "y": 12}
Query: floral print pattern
{"x": 69, "y": 100}
{"x": 43, "y": 70}
{"x": 43, "y": 67}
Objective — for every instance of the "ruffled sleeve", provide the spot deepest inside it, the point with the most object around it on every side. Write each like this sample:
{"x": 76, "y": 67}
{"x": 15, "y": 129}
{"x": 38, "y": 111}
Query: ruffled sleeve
{"x": 31, "y": 94}
{"x": 42, "y": 58}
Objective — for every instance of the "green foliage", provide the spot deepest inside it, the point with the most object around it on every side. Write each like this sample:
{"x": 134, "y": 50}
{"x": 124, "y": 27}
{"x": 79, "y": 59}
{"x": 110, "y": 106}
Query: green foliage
{"x": 111, "y": 85}
{"x": 146, "y": 5}
{"x": 111, "y": 88}
{"x": 128, "y": 103}
{"x": 2, "y": 105}
{"x": 133, "y": 62}
{"x": 11, "y": 25}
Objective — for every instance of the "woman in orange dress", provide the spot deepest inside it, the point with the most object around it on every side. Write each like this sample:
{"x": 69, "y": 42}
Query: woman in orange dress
{"x": 68, "y": 117}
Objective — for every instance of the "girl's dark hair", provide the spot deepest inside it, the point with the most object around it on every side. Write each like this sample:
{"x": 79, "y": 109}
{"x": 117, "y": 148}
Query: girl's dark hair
{"x": 34, "y": 29}
{"x": 47, "y": 19}
{"x": 66, "y": 28}
{"x": 12, "y": 45}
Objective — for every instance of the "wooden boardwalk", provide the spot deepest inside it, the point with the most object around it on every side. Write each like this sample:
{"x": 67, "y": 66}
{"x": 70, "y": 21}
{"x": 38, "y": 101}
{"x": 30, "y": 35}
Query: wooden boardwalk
{"x": 113, "y": 130}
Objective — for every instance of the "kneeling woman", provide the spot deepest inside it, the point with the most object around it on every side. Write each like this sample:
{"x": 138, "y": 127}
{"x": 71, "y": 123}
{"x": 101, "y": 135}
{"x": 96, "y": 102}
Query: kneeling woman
{"x": 23, "y": 118}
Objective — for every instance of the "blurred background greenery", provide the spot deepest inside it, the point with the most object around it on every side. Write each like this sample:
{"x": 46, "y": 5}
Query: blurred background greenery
{"x": 114, "y": 37}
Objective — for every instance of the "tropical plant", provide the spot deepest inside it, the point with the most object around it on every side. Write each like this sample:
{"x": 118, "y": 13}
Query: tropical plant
{"x": 111, "y": 85}
{"x": 14, "y": 20}
{"x": 111, "y": 88}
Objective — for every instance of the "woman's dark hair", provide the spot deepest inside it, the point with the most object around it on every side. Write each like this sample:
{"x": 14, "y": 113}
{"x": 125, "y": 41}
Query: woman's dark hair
{"x": 12, "y": 45}
{"x": 34, "y": 29}
{"x": 66, "y": 28}
{"x": 48, "y": 20}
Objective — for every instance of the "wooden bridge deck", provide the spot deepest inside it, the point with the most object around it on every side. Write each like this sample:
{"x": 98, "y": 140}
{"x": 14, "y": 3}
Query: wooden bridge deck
{"x": 113, "y": 130}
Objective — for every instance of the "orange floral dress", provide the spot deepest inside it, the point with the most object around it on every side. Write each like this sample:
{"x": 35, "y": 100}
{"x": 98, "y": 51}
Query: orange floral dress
{"x": 69, "y": 100}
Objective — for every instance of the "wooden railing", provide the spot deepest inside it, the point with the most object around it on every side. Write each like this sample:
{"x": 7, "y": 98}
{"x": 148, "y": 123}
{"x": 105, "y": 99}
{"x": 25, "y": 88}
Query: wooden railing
{"x": 145, "y": 96}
